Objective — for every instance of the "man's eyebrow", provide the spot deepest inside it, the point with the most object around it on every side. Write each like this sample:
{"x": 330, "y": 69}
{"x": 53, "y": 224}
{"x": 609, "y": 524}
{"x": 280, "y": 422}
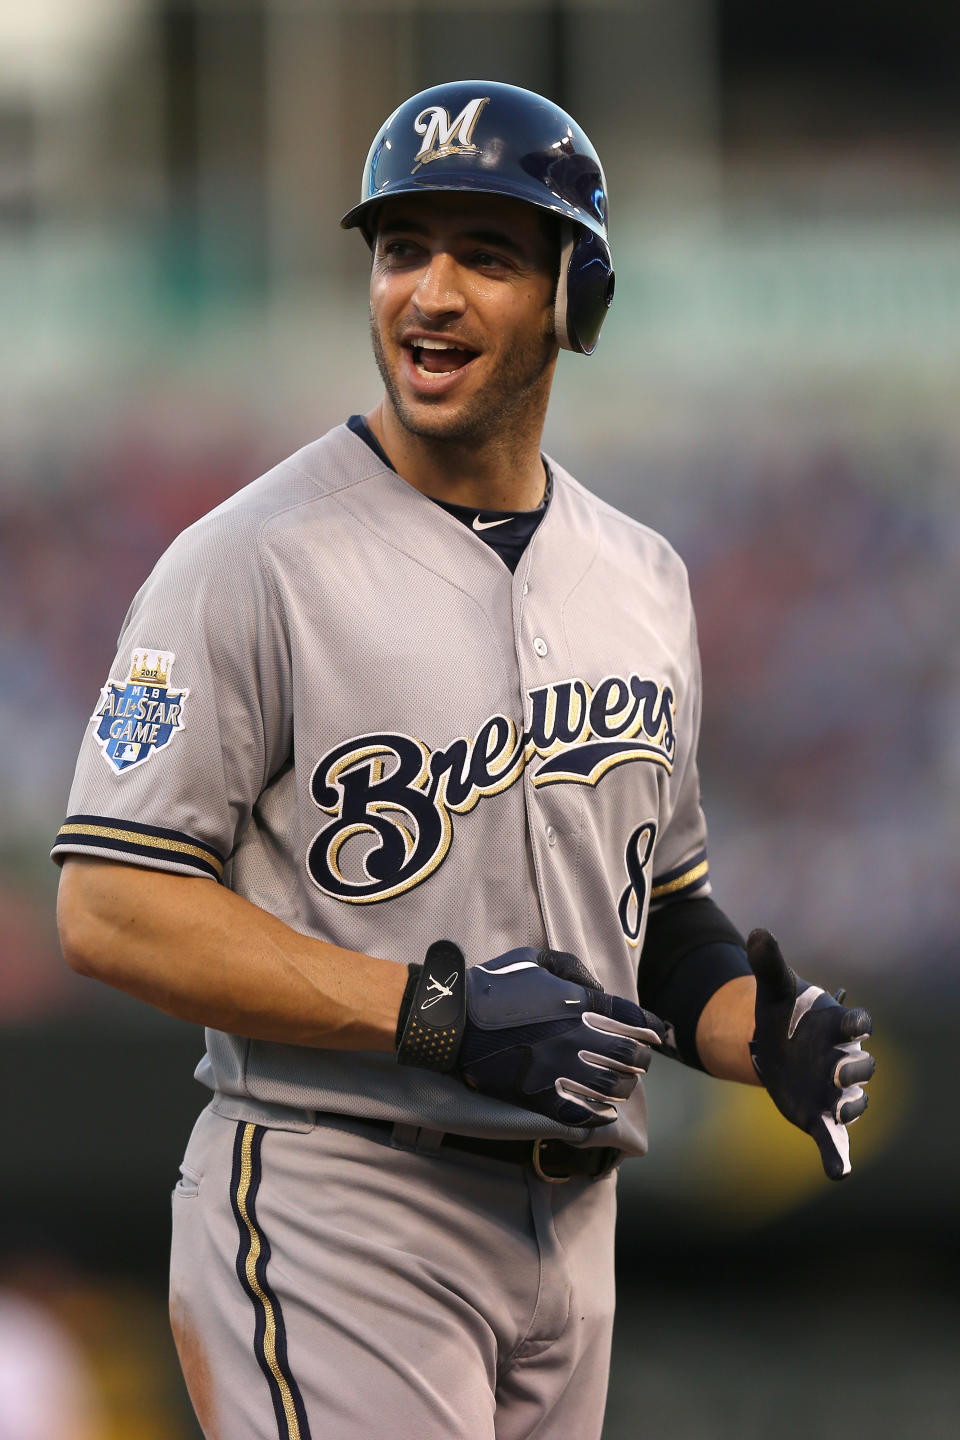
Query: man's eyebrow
{"x": 401, "y": 224}
{"x": 498, "y": 238}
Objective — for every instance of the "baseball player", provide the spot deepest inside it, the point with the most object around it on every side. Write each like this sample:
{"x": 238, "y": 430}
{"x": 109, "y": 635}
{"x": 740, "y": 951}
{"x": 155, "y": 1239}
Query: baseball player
{"x": 393, "y": 787}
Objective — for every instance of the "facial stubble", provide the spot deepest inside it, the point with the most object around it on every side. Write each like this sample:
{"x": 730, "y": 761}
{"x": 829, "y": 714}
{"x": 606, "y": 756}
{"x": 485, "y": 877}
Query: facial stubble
{"x": 514, "y": 399}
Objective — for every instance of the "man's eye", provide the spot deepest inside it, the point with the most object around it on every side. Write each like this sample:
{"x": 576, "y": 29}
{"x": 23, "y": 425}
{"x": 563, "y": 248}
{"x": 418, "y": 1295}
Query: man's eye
{"x": 398, "y": 249}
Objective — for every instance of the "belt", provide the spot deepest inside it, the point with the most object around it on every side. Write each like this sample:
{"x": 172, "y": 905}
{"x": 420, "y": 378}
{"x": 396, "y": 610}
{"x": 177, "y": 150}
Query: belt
{"x": 552, "y": 1160}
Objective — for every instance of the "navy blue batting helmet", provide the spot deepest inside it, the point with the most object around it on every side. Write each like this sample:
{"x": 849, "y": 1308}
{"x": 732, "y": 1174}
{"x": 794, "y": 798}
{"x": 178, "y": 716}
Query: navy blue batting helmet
{"x": 481, "y": 135}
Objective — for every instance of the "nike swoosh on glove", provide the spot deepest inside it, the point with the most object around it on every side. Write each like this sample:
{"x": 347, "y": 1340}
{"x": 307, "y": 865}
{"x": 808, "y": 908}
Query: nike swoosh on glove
{"x": 806, "y": 1050}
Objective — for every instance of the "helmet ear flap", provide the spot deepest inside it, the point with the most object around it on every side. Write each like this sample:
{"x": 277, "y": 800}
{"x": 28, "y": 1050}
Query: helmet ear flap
{"x": 561, "y": 303}
{"x": 584, "y": 289}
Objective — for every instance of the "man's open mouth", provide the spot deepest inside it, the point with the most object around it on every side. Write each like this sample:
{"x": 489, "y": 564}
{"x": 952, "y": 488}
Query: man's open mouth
{"x": 439, "y": 357}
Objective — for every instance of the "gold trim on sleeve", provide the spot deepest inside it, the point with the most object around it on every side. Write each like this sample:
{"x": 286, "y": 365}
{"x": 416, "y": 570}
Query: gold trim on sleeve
{"x": 139, "y": 837}
{"x": 687, "y": 878}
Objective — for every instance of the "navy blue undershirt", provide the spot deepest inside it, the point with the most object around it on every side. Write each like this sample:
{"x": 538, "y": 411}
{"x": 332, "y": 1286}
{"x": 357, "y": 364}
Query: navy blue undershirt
{"x": 507, "y": 532}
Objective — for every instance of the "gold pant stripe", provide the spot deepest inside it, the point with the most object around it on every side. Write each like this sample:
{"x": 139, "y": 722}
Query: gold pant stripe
{"x": 250, "y": 1267}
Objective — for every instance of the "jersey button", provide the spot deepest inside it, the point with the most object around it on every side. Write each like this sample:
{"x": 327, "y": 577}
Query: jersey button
{"x": 551, "y": 835}
{"x": 526, "y": 588}
{"x": 540, "y": 646}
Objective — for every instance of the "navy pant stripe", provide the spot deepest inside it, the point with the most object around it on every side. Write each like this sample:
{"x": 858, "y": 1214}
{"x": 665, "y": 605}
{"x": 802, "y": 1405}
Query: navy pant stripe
{"x": 253, "y": 1256}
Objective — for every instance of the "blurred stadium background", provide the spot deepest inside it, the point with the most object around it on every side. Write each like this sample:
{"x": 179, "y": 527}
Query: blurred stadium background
{"x": 777, "y": 390}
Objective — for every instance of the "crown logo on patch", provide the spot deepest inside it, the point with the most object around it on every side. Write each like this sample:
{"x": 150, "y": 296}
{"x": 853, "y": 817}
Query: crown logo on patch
{"x": 143, "y": 674}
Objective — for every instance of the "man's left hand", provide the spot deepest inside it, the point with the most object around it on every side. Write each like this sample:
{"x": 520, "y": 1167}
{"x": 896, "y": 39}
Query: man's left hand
{"x": 806, "y": 1050}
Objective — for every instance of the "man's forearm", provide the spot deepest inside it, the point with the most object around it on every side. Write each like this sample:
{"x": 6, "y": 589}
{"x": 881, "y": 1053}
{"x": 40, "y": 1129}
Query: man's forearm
{"x": 198, "y": 951}
{"x": 725, "y": 1029}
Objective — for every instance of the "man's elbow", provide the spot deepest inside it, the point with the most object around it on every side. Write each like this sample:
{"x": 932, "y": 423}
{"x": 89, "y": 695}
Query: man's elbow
{"x": 75, "y": 930}
{"x": 82, "y": 926}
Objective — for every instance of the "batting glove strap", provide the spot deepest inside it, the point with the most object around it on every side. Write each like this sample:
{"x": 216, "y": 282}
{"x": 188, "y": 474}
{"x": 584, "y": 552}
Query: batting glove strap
{"x": 431, "y": 1022}
{"x": 806, "y": 1050}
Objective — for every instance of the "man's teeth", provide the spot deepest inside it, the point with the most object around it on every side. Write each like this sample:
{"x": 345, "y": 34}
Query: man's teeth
{"x": 418, "y": 346}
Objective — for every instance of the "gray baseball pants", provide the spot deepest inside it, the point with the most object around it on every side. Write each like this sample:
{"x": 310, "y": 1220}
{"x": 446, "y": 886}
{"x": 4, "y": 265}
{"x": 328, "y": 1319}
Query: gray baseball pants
{"x": 328, "y": 1286}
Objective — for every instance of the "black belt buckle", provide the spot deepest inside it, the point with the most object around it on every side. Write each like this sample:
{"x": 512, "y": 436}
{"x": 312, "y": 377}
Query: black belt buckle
{"x": 537, "y": 1160}
{"x": 595, "y": 1163}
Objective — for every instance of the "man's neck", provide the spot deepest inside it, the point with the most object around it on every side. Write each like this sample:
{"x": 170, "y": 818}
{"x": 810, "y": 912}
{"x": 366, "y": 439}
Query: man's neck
{"x": 505, "y": 473}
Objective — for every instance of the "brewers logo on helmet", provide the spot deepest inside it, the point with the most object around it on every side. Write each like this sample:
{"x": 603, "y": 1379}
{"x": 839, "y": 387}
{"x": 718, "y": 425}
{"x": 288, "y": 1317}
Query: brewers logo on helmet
{"x": 481, "y": 135}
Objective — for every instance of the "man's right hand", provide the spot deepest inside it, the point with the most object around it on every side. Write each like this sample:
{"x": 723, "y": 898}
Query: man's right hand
{"x": 531, "y": 1028}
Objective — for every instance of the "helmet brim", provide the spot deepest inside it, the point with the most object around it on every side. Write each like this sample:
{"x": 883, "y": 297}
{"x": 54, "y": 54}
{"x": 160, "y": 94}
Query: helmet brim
{"x": 551, "y": 203}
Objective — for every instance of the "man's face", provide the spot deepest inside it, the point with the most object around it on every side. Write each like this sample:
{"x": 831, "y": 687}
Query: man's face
{"x": 461, "y": 312}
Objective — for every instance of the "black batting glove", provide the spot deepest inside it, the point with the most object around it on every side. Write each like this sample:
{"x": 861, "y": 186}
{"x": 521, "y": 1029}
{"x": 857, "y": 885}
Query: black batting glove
{"x": 532, "y": 1028}
{"x": 806, "y": 1050}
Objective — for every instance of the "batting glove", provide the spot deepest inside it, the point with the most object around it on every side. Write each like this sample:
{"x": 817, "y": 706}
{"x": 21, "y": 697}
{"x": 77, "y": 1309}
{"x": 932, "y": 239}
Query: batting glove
{"x": 534, "y": 1029}
{"x": 806, "y": 1050}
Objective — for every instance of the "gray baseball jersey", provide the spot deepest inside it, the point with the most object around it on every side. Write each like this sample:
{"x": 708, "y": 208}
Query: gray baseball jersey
{"x": 336, "y": 699}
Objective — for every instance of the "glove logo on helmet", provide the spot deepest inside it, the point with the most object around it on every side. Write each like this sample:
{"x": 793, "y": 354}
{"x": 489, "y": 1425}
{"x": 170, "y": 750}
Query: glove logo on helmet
{"x": 443, "y": 137}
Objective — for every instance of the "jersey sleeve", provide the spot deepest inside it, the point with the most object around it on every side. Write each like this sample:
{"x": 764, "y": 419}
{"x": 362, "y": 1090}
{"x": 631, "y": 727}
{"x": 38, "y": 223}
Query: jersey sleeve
{"x": 194, "y": 716}
{"x": 680, "y": 866}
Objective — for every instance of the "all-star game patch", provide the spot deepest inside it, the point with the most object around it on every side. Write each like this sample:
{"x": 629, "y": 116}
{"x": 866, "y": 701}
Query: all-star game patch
{"x": 140, "y": 716}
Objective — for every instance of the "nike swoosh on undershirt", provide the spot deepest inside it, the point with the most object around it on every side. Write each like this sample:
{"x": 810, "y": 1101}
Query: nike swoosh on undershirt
{"x": 479, "y": 524}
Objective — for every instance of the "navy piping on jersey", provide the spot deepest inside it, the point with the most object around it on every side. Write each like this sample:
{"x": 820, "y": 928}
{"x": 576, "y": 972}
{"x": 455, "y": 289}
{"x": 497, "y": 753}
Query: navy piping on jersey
{"x": 507, "y": 532}
{"x": 253, "y": 1257}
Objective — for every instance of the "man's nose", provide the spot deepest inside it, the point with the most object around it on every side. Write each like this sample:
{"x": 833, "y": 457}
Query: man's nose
{"x": 439, "y": 290}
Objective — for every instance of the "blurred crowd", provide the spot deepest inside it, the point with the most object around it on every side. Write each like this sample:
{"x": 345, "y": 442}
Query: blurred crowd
{"x": 825, "y": 583}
